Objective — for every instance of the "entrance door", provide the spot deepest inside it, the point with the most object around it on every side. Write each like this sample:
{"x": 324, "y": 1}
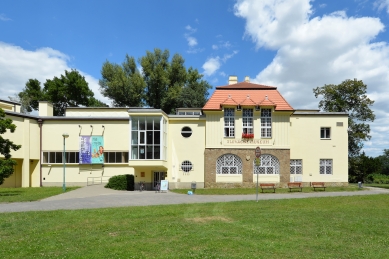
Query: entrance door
{"x": 158, "y": 177}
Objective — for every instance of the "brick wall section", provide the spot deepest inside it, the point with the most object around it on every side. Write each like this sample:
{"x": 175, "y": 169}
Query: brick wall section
{"x": 247, "y": 156}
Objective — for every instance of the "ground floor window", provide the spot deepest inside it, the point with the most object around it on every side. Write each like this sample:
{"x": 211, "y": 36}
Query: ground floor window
{"x": 269, "y": 165}
{"x": 296, "y": 166}
{"x": 325, "y": 166}
{"x": 229, "y": 164}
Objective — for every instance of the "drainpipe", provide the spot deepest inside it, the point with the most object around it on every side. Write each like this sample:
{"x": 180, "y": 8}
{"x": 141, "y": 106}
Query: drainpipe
{"x": 40, "y": 122}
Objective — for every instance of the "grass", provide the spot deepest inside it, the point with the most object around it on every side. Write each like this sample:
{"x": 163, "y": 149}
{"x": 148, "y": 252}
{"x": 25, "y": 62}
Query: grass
{"x": 237, "y": 191}
{"x": 337, "y": 227}
{"x": 29, "y": 194}
{"x": 381, "y": 185}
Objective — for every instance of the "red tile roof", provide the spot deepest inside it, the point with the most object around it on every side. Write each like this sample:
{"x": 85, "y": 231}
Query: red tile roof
{"x": 247, "y": 102}
{"x": 229, "y": 101}
{"x": 257, "y": 96}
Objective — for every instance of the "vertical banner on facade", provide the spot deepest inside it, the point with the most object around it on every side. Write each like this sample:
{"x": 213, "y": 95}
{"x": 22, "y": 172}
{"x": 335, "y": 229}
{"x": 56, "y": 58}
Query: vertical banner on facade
{"x": 91, "y": 150}
{"x": 85, "y": 150}
{"x": 97, "y": 147}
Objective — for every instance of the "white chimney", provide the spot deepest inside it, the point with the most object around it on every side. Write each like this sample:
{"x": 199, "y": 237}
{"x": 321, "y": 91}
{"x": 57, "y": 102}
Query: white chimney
{"x": 232, "y": 80}
{"x": 247, "y": 79}
{"x": 45, "y": 109}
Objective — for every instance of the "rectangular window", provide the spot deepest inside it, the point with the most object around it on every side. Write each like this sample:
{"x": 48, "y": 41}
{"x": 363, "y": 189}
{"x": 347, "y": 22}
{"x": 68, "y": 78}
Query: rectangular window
{"x": 229, "y": 122}
{"x": 266, "y": 123}
{"x": 325, "y": 166}
{"x": 248, "y": 121}
{"x": 325, "y": 133}
{"x": 296, "y": 166}
{"x": 146, "y": 138}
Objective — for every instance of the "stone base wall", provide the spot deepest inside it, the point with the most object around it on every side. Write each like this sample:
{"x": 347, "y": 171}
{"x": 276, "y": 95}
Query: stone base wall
{"x": 247, "y": 156}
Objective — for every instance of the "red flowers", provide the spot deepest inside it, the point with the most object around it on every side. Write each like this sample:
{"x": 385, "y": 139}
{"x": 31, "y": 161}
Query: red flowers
{"x": 247, "y": 135}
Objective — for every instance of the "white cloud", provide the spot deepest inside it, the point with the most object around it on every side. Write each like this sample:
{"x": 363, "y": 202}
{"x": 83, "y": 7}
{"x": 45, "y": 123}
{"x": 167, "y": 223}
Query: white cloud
{"x": 215, "y": 47}
{"x": 211, "y": 66}
{"x": 17, "y": 65}
{"x": 382, "y": 4}
{"x": 191, "y": 41}
{"x": 313, "y": 51}
{"x": 4, "y": 18}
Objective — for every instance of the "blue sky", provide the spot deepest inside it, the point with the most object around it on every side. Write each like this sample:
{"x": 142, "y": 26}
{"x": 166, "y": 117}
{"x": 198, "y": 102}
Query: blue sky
{"x": 295, "y": 45}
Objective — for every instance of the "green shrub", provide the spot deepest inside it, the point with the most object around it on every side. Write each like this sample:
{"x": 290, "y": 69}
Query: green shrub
{"x": 379, "y": 178}
{"x": 121, "y": 182}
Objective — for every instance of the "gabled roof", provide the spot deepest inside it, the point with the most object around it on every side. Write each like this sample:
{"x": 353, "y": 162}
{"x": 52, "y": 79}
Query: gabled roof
{"x": 247, "y": 102}
{"x": 266, "y": 102}
{"x": 229, "y": 101}
{"x": 240, "y": 91}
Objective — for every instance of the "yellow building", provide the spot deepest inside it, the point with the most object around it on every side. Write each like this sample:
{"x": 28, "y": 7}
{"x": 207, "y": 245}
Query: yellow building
{"x": 212, "y": 146}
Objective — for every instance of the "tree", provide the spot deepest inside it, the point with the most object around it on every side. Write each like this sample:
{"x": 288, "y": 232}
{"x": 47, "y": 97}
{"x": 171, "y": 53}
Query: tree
{"x": 384, "y": 162}
{"x": 30, "y": 96}
{"x": 195, "y": 93}
{"x": 6, "y": 164}
{"x": 123, "y": 84}
{"x": 163, "y": 84}
{"x": 349, "y": 96}
{"x": 69, "y": 90}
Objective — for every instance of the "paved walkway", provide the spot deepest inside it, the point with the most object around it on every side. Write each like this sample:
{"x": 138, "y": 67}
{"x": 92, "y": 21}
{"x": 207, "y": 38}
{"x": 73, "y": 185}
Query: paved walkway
{"x": 97, "y": 196}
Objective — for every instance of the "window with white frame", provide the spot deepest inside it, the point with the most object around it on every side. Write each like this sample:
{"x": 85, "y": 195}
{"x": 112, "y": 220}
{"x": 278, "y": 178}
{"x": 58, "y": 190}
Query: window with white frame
{"x": 186, "y": 166}
{"x": 229, "y": 164}
{"x": 248, "y": 121}
{"x": 265, "y": 123}
{"x": 229, "y": 122}
{"x": 325, "y": 133}
{"x": 146, "y": 138}
{"x": 269, "y": 165}
{"x": 296, "y": 166}
{"x": 325, "y": 166}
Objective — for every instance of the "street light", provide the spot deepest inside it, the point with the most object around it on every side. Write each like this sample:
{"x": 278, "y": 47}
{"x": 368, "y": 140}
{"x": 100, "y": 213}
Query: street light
{"x": 65, "y": 135}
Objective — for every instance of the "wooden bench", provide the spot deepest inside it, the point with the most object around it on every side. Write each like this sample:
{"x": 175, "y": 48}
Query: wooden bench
{"x": 295, "y": 185}
{"x": 268, "y": 186}
{"x": 318, "y": 185}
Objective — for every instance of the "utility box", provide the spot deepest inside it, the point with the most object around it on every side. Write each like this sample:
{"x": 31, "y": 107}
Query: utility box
{"x": 193, "y": 186}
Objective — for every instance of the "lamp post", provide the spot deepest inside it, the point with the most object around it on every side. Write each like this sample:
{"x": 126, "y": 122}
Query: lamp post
{"x": 65, "y": 136}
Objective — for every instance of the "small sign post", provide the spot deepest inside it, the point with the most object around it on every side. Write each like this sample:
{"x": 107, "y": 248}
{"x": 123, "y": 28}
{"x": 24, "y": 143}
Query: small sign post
{"x": 257, "y": 163}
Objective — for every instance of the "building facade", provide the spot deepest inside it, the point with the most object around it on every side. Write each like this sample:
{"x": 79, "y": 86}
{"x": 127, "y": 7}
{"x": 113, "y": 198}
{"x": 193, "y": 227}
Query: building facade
{"x": 212, "y": 146}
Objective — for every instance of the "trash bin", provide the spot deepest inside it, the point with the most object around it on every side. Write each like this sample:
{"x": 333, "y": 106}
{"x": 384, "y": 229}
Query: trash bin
{"x": 359, "y": 184}
{"x": 193, "y": 186}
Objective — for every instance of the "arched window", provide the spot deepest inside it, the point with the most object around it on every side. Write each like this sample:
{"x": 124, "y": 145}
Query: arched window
{"x": 229, "y": 164}
{"x": 186, "y": 166}
{"x": 269, "y": 165}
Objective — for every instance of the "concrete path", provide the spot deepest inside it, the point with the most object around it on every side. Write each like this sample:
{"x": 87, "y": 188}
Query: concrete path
{"x": 97, "y": 196}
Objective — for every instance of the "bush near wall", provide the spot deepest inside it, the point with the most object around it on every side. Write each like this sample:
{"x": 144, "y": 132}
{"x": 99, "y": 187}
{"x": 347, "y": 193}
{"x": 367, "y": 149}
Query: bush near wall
{"x": 121, "y": 182}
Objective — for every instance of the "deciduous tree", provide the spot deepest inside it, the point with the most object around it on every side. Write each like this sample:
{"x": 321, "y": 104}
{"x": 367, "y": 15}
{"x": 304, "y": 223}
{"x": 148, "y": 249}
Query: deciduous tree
{"x": 123, "y": 84}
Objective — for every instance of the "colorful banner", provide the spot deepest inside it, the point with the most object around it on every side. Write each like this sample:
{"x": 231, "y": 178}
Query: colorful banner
{"x": 91, "y": 150}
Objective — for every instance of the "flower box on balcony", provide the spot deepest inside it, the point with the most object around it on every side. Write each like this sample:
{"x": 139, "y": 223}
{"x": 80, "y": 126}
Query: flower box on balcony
{"x": 247, "y": 135}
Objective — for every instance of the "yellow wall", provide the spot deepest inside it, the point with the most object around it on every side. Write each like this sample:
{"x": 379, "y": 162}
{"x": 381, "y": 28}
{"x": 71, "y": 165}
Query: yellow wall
{"x": 307, "y": 145}
{"x": 215, "y": 131}
{"x": 26, "y": 135}
{"x": 191, "y": 149}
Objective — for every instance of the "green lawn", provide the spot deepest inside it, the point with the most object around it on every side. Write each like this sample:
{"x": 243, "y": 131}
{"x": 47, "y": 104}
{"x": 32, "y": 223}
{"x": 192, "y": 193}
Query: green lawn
{"x": 337, "y": 227}
{"x": 381, "y": 185}
{"x": 236, "y": 191}
{"x": 29, "y": 194}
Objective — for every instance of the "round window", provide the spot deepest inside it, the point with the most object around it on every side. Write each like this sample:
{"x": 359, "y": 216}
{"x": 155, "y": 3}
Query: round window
{"x": 186, "y": 132}
{"x": 186, "y": 166}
